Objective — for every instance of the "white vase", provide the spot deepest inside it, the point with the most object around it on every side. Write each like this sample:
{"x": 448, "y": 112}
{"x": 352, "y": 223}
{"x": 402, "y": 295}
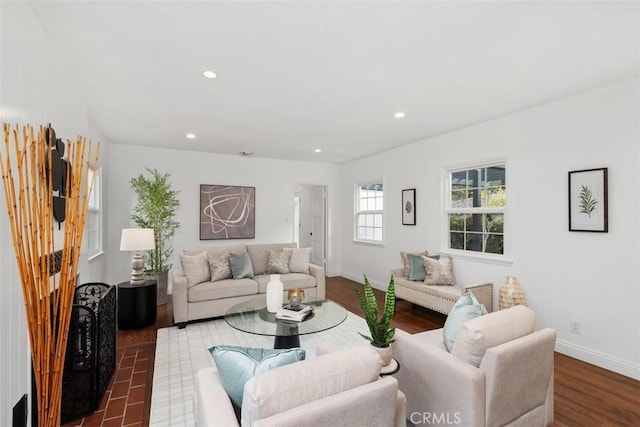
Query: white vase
{"x": 275, "y": 293}
{"x": 384, "y": 353}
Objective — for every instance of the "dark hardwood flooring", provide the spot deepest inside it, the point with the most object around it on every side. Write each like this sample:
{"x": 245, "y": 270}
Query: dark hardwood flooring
{"x": 585, "y": 395}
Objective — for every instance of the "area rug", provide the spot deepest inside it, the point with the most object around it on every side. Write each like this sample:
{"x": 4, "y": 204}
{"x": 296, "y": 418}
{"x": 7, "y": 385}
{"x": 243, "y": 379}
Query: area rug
{"x": 180, "y": 353}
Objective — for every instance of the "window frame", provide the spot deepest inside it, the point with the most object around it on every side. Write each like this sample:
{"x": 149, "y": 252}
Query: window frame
{"x": 359, "y": 212}
{"x": 447, "y": 209}
{"x": 95, "y": 209}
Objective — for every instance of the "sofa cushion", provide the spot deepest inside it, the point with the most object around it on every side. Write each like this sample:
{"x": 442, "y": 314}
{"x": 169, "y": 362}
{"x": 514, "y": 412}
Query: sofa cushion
{"x": 226, "y": 288}
{"x": 237, "y": 365}
{"x": 484, "y": 332}
{"x": 439, "y": 271}
{"x": 466, "y": 308}
{"x": 260, "y": 254}
{"x": 219, "y": 266}
{"x": 405, "y": 260}
{"x": 195, "y": 268}
{"x": 323, "y": 376}
{"x": 299, "y": 262}
{"x": 241, "y": 266}
{"x": 289, "y": 281}
{"x": 278, "y": 262}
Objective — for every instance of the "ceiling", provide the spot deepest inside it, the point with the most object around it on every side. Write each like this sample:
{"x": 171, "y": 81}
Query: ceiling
{"x": 294, "y": 76}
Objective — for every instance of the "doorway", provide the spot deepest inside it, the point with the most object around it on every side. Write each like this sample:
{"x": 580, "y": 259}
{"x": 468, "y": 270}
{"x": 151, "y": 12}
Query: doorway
{"x": 310, "y": 207}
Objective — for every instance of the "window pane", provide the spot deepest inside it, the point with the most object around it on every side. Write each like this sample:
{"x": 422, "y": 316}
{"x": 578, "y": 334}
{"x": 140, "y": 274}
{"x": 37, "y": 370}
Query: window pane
{"x": 494, "y": 223}
{"x": 496, "y": 176}
{"x": 361, "y": 232}
{"x": 474, "y": 242}
{"x": 379, "y": 204}
{"x": 457, "y": 240}
{"x": 456, "y": 222}
{"x": 495, "y": 244}
{"x": 377, "y": 235}
{"x": 369, "y": 221}
{"x": 369, "y": 234}
{"x": 377, "y": 220}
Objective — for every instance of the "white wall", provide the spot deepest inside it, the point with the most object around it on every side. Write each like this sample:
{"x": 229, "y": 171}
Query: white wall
{"x": 589, "y": 277}
{"x": 275, "y": 182}
{"x": 36, "y": 88}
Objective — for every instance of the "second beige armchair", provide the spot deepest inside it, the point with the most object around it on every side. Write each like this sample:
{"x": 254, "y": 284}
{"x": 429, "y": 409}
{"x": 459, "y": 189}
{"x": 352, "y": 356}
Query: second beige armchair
{"x": 500, "y": 373}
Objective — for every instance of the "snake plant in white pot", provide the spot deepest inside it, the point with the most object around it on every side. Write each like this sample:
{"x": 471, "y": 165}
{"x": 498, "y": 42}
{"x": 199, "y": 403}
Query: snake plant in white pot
{"x": 381, "y": 334}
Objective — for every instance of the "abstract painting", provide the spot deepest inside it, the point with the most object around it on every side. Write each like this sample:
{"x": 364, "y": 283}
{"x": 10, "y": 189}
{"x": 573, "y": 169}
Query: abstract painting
{"x": 227, "y": 212}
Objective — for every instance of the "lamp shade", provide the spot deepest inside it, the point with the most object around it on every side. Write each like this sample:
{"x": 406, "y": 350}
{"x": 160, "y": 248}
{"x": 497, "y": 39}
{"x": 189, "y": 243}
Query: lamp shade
{"x": 137, "y": 239}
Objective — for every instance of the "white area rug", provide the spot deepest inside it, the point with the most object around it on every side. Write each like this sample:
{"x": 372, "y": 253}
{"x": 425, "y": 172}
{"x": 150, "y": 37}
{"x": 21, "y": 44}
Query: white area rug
{"x": 180, "y": 353}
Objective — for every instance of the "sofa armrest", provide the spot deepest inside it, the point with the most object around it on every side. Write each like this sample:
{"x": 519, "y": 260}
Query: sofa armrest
{"x": 180, "y": 297}
{"x": 211, "y": 404}
{"x": 397, "y": 272}
{"x": 483, "y": 292}
{"x": 436, "y": 382}
{"x": 317, "y": 271}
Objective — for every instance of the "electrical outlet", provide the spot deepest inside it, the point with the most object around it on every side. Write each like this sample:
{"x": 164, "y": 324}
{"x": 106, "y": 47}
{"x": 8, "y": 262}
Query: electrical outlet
{"x": 575, "y": 326}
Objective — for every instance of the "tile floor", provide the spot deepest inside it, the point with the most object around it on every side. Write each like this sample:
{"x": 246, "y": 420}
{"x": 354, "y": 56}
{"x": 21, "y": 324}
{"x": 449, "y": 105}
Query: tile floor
{"x": 126, "y": 401}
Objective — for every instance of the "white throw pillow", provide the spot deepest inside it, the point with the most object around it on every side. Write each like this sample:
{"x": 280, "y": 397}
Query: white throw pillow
{"x": 299, "y": 262}
{"x": 196, "y": 268}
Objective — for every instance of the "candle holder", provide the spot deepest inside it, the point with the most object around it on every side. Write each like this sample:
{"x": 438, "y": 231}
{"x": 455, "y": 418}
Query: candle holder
{"x": 295, "y": 297}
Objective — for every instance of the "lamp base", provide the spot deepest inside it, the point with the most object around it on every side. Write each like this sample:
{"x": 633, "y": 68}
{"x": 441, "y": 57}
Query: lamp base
{"x": 138, "y": 276}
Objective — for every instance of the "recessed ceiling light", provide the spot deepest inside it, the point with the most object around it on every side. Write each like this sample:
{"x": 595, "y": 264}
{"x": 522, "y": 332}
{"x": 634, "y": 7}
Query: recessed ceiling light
{"x": 399, "y": 115}
{"x": 191, "y": 136}
{"x": 210, "y": 74}
{"x": 318, "y": 150}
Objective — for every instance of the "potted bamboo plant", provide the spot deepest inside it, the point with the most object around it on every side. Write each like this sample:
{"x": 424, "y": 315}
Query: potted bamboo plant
{"x": 156, "y": 209}
{"x": 381, "y": 334}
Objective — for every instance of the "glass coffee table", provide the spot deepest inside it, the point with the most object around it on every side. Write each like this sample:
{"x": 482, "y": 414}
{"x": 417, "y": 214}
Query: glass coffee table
{"x": 252, "y": 317}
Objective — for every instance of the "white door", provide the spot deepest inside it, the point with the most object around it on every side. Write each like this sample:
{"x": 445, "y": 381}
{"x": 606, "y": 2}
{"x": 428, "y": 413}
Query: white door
{"x": 317, "y": 225}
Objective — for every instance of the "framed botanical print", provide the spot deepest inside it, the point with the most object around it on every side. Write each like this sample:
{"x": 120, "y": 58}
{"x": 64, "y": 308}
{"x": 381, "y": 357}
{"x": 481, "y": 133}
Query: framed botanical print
{"x": 409, "y": 206}
{"x": 588, "y": 200}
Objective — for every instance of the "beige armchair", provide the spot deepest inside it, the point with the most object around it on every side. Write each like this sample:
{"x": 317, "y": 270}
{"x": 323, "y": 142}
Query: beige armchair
{"x": 499, "y": 373}
{"x": 342, "y": 388}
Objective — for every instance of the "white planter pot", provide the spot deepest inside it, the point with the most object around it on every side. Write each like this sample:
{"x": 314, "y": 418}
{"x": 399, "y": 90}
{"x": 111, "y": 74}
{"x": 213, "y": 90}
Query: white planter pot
{"x": 384, "y": 353}
{"x": 275, "y": 293}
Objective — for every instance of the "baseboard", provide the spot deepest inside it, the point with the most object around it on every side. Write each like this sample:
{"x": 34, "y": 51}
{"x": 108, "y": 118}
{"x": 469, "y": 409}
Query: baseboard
{"x": 360, "y": 279}
{"x": 605, "y": 361}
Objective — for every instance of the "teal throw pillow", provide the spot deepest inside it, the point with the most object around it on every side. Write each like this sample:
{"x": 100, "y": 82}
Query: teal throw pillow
{"x": 241, "y": 266}
{"x": 237, "y": 365}
{"x": 466, "y": 308}
{"x": 417, "y": 271}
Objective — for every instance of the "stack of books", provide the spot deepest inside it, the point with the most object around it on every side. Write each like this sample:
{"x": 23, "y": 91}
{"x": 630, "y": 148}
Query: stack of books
{"x": 286, "y": 313}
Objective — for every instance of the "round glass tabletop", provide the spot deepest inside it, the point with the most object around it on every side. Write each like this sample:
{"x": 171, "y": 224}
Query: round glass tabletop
{"x": 252, "y": 317}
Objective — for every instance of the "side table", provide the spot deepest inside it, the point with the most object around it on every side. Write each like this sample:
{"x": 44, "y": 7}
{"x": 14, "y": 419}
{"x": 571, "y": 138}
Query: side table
{"x": 137, "y": 306}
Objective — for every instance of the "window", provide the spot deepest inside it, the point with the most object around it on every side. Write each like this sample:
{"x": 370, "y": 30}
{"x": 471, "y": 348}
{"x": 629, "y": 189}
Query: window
{"x": 94, "y": 213}
{"x": 369, "y": 212}
{"x": 476, "y": 208}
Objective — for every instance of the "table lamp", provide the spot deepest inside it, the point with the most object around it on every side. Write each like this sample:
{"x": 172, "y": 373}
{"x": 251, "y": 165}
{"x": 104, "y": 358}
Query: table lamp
{"x": 137, "y": 239}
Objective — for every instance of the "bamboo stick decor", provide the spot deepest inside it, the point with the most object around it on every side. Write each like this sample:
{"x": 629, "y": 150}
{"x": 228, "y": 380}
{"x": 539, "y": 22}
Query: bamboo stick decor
{"x": 26, "y": 166}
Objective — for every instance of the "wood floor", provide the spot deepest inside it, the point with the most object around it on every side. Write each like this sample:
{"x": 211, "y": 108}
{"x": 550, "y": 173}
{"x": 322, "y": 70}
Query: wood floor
{"x": 585, "y": 395}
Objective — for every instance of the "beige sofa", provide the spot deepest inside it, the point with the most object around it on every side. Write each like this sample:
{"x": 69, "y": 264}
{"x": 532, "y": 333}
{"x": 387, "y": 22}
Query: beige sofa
{"x": 213, "y": 299}
{"x": 499, "y": 372}
{"x": 341, "y": 388}
{"x": 437, "y": 297}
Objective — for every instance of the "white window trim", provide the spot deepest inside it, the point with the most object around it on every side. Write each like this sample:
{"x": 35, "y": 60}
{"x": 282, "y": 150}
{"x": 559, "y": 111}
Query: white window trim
{"x": 445, "y": 202}
{"x": 100, "y": 251}
{"x": 356, "y": 201}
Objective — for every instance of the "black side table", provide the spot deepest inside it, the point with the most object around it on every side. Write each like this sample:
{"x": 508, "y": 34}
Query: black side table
{"x": 137, "y": 305}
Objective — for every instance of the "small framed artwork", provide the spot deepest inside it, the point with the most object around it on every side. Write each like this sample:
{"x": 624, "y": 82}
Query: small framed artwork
{"x": 409, "y": 206}
{"x": 588, "y": 200}
{"x": 227, "y": 212}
